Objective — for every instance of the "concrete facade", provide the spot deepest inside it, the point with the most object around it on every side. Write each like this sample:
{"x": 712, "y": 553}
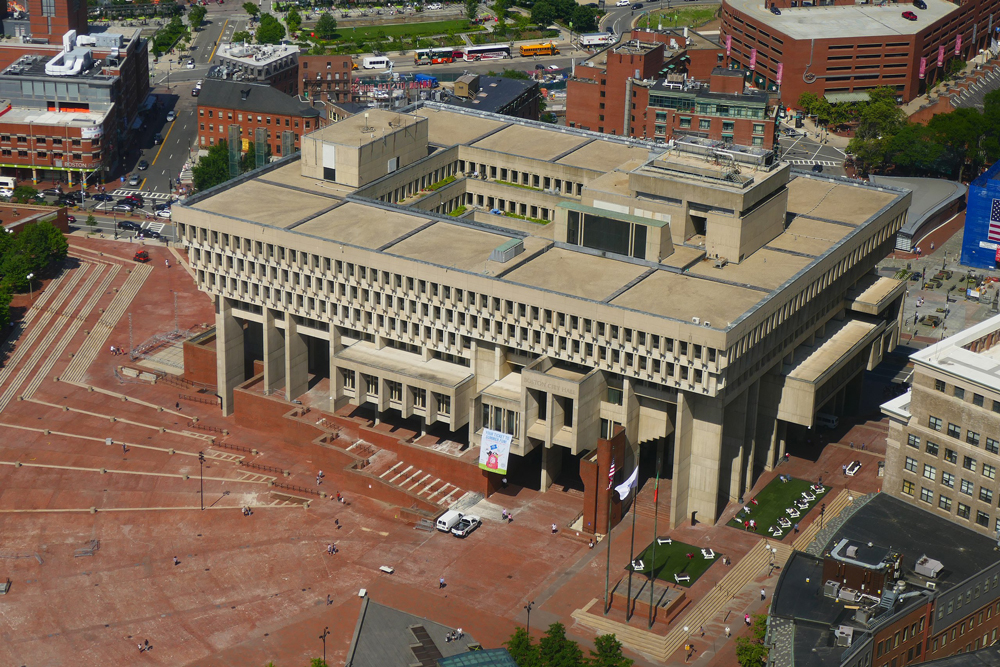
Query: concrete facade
{"x": 582, "y": 284}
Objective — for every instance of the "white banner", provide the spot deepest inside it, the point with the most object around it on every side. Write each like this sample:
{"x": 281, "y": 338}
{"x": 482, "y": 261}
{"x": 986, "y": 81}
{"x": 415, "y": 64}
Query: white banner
{"x": 495, "y": 451}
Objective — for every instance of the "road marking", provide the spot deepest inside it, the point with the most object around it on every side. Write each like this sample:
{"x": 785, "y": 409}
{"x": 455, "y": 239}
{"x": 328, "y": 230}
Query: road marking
{"x": 154, "y": 226}
{"x": 145, "y": 195}
{"x": 369, "y": 530}
{"x": 212, "y": 57}
{"x": 825, "y": 163}
{"x": 163, "y": 143}
{"x": 142, "y": 186}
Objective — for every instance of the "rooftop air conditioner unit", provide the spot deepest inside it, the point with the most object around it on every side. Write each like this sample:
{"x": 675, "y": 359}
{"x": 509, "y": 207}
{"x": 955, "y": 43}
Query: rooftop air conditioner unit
{"x": 696, "y": 320}
{"x": 707, "y": 323}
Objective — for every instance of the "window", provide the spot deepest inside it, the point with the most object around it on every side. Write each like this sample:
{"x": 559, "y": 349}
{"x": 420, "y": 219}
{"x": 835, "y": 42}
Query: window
{"x": 907, "y": 487}
{"x": 758, "y": 128}
{"x": 982, "y": 518}
{"x": 972, "y": 438}
{"x": 911, "y": 464}
{"x": 964, "y": 511}
{"x": 930, "y": 472}
{"x": 913, "y": 441}
{"x": 685, "y": 122}
{"x": 704, "y": 124}
{"x": 977, "y": 400}
{"x": 926, "y": 495}
{"x": 967, "y": 487}
{"x": 948, "y": 479}
{"x": 989, "y": 471}
{"x": 944, "y": 502}
{"x": 992, "y": 446}
{"x": 969, "y": 463}
{"x": 939, "y": 385}
{"x": 955, "y": 431}
{"x": 959, "y": 393}
{"x": 950, "y": 456}
{"x": 934, "y": 423}
{"x": 443, "y": 404}
{"x": 932, "y": 448}
{"x": 986, "y": 495}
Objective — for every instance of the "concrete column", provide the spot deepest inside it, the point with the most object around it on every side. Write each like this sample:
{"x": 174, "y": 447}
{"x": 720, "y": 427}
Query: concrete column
{"x": 274, "y": 355}
{"x": 228, "y": 352}
{"x": 551, "y": 462}
{"x": 296, "y": 360}
{"x": 337, "y": 399}
{"x": 782, "y": 439}
{"x": 697, "y": 456}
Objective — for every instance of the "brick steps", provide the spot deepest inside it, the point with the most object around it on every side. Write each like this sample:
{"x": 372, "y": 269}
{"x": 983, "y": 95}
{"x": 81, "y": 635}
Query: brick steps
{"x": 423, "y": 484}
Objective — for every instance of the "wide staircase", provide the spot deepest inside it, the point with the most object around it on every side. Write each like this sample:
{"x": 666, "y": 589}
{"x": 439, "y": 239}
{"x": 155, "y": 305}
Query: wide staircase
{"x": 425, "y": 485}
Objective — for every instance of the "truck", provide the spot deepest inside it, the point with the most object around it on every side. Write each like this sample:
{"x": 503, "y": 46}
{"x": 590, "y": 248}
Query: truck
{"x": 598, "y": 39}
{"x": 431, "y": 80}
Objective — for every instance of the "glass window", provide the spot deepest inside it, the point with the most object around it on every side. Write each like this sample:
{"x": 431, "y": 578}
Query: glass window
{"x": 934, "y": 423}
{"x": 967, "y": 487}
{"x": 982, "y": 518}
{"x": 944, "y": 502}
{"x": 907, "y": 487}
{"x": 758, "y": 128}
{"x": 685, "y": 122}
{"x": 911, "y": 464}
{"x": 930, "y": 472}
{"x": 926, "y": 495}
{"x": 978, "y": 400}
{"x": 986, "y": 495}
{"x": 913, "y": 441}
{"x": 704, "y": 124}
{"x": 969, "y": 463}
{"x": 932, "y": 448}
{"x": 950, "y": 456}
{"x": 948, "y": 479}
{"x": 972, "y": 438}
{"x": 959, "y": 393}
{"x": 954, "y": 430}
{"x": 989, "y": 471}
{"x": 992, "y": 446}
{"x": 964, "y": 511}
{"x": 939, "y": 385}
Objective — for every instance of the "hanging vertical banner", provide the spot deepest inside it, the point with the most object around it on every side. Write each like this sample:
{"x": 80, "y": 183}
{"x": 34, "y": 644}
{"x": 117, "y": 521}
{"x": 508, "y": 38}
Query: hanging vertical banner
{"x": 494, "y": 451}
{"x": 958, "y": 44}
{"x": 781, "y": 69}
{"x": 729, "y": 44}
{"x": 753, "y": 59}
{"x": 923, "y": 68}
{"x": 941, "y": 56}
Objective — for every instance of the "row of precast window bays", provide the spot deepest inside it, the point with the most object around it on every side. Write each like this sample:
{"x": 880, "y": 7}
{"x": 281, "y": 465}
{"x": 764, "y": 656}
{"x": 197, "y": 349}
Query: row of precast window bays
{"x": 405, "y": 311}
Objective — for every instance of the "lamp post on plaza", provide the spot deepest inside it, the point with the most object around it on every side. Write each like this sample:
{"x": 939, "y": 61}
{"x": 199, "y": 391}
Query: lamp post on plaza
{"x": 31, "y": 291}
{"x": 326, "y": 633}
{"x": 201, "y": 462}
{"x": 527, "y": 625}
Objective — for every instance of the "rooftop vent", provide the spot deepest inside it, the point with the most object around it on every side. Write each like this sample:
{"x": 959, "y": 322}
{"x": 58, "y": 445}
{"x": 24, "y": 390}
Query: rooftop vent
{"x": 244, "y": 94}
{"x": 507, "y": 251}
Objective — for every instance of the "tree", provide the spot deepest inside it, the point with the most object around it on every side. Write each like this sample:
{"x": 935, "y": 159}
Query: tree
{"x": 241, "y": 36}
{"x": 326, "y": 27}
{"x": 270, "y": 30}
{"x": 212, "y": 169}
{"x": 555, "y": 650}
{"x": 471, "y": 9}
{"x": 91, "y": 220}
{"x": 5, "y": 298}
{"x": 251, "y": 8}
{"x": 584, "y": 19}
{"x": 293, "y": 20}
{"x": 317, "y": 662}
{"x": 879, "y": 120}
{"x": 519, "y": 646}
{"x": 248, "y": 161}
{"x": 196, "y": 15}
{"x": 514, "y": 74}
{"x": 608, "y": 653}
{"x": 750, "y": 651}
{"x": 24, "y": 194}
{"x": 543, "y": 13}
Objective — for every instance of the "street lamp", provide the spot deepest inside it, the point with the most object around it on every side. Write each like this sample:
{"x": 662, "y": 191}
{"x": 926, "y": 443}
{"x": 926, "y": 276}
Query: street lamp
{"x": 527, "y": 625}
{"x": 201, "y": 462}
{"x": 31, "y": 291}
{"x": 326, "y": 632}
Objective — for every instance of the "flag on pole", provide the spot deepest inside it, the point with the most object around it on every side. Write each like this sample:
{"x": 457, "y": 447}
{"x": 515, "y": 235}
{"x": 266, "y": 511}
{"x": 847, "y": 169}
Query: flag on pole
{"x": 611, "y": 474}
{"x": 625, "y": 487}
{"x": 656, "y": 489}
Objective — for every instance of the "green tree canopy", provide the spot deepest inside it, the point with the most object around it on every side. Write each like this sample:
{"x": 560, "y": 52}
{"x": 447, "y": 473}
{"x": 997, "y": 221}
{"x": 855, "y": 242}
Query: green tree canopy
{"x": 751, "y": 651}
{"x": 293, "y": 20}
{"x": 212, "y": 169}
{"x": 241, "y": 36}
{"x": 543, "y": 13}
{"x": 270, "y": 30}
{"x": 326, "y": 27}
{"x": 555, "y": 650}
{"x": 196, "y": 15}
{"x": 519, "y": 646}
{"x": 471, "y": 8}
{"x": 608, "y": 653}
{"x": 251, "y": 8}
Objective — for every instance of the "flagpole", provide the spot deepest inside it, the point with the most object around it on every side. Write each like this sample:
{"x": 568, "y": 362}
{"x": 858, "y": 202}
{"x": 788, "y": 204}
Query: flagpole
{"x": 631, "y": 550}
{"x": 656, "y": 511}
{"x": 607, "y": 572}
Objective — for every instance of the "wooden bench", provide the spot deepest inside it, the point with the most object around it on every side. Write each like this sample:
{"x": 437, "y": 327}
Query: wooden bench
{"x": 660, "y": 541}
{"x": 678, "y": 578}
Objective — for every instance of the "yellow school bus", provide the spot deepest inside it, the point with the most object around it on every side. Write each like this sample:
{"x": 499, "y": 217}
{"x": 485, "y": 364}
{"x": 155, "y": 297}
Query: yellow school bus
{"x": 549, "y": 49}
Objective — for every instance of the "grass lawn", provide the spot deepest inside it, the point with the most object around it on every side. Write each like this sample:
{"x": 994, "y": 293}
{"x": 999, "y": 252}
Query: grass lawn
{"x": 408, "y": 29}
{"x": 673, "y": 18}
{"x": 672, "y": 559}
{"x": 772, "y": 502}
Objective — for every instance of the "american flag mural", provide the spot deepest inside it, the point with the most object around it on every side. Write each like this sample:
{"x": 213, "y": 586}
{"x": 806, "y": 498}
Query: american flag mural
{"x": 994, "y": 232}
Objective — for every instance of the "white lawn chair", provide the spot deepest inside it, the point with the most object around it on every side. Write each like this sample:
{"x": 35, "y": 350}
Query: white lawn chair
{"x": 794, "y": 513}
{"x": 638, "y": 565}
{"x": 777, "y": 533}
{"x": 808, "y": 497}
{"x": 678, "y": 578}
{"x": 784, "y": 523}
{"x": 708, "y": 554}
{"x": 664, "y": 540}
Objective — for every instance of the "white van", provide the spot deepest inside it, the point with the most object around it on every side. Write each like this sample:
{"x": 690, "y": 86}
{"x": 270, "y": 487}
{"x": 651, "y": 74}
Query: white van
{"x": 376, "y": 62}
{"x": 448, "y": 520}
{"x": 824, "y": 420}
{"x": 8, "y": 182}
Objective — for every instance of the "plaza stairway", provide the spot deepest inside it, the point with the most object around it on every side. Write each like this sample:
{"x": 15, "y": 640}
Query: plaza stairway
{"x": 426, "y": 486}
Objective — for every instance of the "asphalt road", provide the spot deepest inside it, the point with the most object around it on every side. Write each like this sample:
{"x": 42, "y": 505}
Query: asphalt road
{"x": 805, "y": 152}
{"x": 619, "y": 19}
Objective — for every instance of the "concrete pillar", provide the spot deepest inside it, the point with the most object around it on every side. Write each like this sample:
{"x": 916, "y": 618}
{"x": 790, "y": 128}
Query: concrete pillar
{"x": 697, "y": 457}
{"x": 296, "y": 360}
{"x": 782, "y": 439}
{"x": 337, "y": 399}
{"x": 228, "y": 352}
{"x": 551, "y": 462}
{"x": 274, "y": 354}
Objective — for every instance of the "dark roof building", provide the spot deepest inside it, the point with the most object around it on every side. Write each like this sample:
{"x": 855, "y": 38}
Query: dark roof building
{"x": 387, "y": 637}
{"x": 894, "y": 584}
{"x": 496, "y": 94}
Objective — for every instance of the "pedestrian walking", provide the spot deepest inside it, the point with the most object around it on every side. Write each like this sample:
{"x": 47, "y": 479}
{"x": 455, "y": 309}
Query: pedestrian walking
{"x": 141, "y": 648}
{"x": 843, "y": 469}
{"x": 176, "y": 562}
{"x": 702, "y": 628}
{"x": 329, "y": 600}
{"x": 554, "y": 529}
{"x": 178, "y": 405}
{"x": 329, "y": 548}
{"x": 728, "y": 632}
{"x": 441, "y": 583}
{"x": 746, "y": 619}
{"x": 461, "y": 633}
{"x": 336, "y": 522}
{"x": 763, "y": 594}
{"x": 112, "y": 350}
{"x": 796, "y": 526}
{"x": 591, "y": 543}
{"x": 124, "y": 448}
{"x": 338, "y": 496}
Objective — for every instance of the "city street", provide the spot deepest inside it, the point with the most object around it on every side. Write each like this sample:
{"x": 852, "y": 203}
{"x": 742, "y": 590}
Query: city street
{"x": 619, "y": 19}
{"x": 804, "y": 151}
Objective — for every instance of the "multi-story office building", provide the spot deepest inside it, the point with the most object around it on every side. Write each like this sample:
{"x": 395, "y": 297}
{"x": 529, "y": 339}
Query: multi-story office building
{"x": 472, "y": 271}
{"x": 276, "y": 65}
{"x": 326, "y": 79}
{"x": 842, "y": 48}
{"x": 944, "y": 434}
{"x": 630, "y": 90}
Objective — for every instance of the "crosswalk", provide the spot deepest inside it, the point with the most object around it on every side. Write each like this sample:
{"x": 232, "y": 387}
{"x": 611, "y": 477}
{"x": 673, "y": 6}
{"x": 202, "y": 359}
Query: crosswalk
{"x": 825, "y": 163}
{"x": 145, "y": 195}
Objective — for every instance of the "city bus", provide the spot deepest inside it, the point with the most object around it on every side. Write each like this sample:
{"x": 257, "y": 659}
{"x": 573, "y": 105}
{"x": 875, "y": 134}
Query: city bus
{"x": 433, "y": 56}
{"x": 487, "y": 52}
{"x": 528, "y": 50}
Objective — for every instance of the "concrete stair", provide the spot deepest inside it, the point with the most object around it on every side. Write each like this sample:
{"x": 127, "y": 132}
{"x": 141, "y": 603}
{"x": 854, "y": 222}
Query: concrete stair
{"x": 424, "y": 485}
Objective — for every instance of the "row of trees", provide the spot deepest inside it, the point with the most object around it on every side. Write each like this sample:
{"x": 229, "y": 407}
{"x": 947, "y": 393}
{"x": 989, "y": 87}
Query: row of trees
{"x": 35, "y": 250}
{"x": 568, "y": 12}
{"x": 555, "y": 650}
{"x": 956, "y": 145}
{"x": 213, "y": 169}
{"x": 169, "y": 35}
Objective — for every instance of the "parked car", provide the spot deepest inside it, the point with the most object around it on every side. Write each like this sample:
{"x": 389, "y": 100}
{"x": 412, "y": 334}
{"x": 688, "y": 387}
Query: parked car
{"x": 142, "y": 166}
{"x": 775, "y": 10}
{"x": 909, "y": 16}
{"x": 124, "y": 208}
{"x": 6, "y": 192}
{"x": 157, "y": 139}
{"x": 54, "y": 192}
{"x": 163, "y": 213}
{"x": 128, "y": 224}
{"x": 190, "y": 64}
{"x": 71, "y": 219}
{"x": 132, "y": 200}
{"x": 817, "y": 168}
{"x": 150, "y": 234}
{"x": 466, "y": 525}
{"x": 853, "y": 468}
{"x": 133, "y": 179}
{"x": 637, "y": 5}
{"x": 162, "y": 207}
{"x": 622, "y": 3}
{"x": 195, "y": 91}
{"x": 102, "y": 197}
{"x": 171, "y": 116}
{"x": 920, "y": 4}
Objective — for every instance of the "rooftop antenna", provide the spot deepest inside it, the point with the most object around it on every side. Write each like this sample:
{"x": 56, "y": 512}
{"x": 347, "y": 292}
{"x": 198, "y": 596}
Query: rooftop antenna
{"x": 367, "y": 127}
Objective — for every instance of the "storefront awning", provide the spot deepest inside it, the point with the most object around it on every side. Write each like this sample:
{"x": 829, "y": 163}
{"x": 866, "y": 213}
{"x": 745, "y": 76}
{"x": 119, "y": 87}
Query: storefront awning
{"x": 137, "y": 123}
{"x": 837, "y": 98}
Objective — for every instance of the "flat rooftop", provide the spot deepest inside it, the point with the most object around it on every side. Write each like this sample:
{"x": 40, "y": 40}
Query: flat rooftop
{"x": 768, "y": 269}
{"x": 532, "y": 142}
{"x": 411, "y": 365}
{"x": 835, "y": 201}
{"x": 685, "y": 296}
{"x": 444, "y": 131}
{"x": 362, "y": 226}
{"x": 839, "y": 339}
{"x": 264, "y": 203}
{"x": 360, "y": 127}
{"x": 575, "y": 273}
{"x": 459, "y": 247}
{"x": 257, "y": 55}
{"x": 807, "y": 236}
{"x": 853, "y": 21}
{"x": 951, "y": 356}
{"x": 52, "y": 118}
{"x": 603, "y": 155}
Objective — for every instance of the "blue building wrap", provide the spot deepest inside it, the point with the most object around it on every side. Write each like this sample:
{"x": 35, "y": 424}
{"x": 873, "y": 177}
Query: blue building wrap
{"x": 982, "y": 221}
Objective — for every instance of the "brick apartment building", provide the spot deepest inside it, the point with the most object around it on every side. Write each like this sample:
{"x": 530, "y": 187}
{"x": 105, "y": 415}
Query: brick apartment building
{"x": 837, "y": 47}
{"x": 277, "y": 65}
{"x": 46, "y": 21}
{"x": 68, "y": 112}
{"x": 325, "y": 78}
{"x": 251, "y": 106}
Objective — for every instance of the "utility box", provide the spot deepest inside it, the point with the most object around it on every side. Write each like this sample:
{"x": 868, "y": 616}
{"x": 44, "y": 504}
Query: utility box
{"x": 467, "y": 86}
